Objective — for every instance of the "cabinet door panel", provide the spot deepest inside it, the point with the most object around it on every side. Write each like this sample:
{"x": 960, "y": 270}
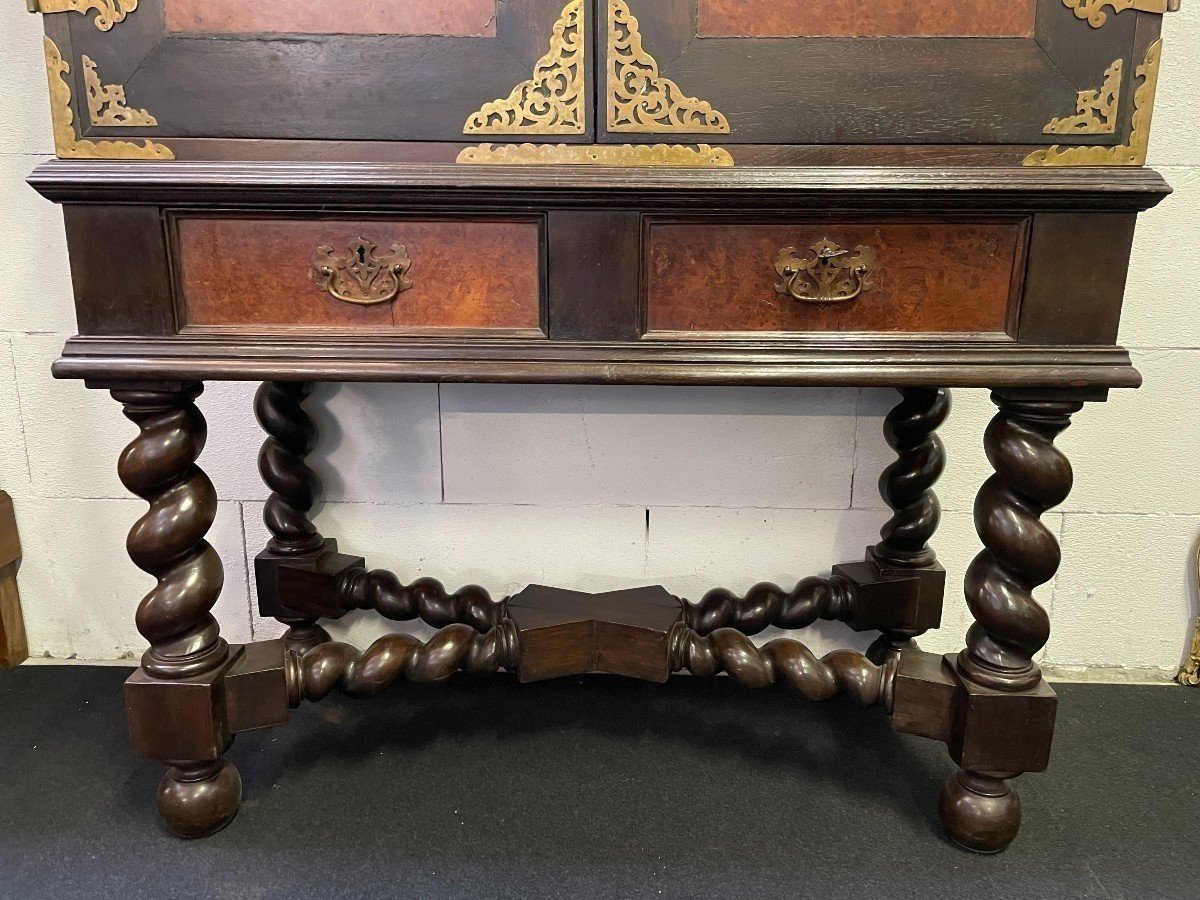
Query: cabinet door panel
{"x": 328, "y": 70}
{"x": 887, "y": 72}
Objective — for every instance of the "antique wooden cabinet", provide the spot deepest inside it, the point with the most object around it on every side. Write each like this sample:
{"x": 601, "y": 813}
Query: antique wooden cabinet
{"x": 778, "y": 192}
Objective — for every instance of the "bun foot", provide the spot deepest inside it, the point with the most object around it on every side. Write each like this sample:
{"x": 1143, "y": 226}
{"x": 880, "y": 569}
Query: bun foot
{"x": 979, "y": 812}
{"x": 198, "y": 800}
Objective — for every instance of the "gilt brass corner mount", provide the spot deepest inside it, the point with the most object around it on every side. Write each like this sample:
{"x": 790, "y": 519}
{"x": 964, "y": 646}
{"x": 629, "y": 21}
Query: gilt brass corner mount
{"x": 825, "y": 273}
{"x": 108, "y": 12}
{"x": 640, "y": 99}
{"x": 106, "y": 102}
{"x": 1096, "y": 12}
{"x": 67, "y": 143}
{"x": 552, "y": 101}
{"x": 1133, "y": 151}
{"x": 363, "y": 276}
{"x": 1095, "y": 111}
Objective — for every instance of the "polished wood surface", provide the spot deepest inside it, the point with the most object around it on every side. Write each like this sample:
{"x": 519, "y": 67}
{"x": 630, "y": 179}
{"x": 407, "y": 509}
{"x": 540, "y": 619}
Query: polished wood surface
{"x": 251, "y": 271}
{"x": 895, "y": 126}
{"x": 450, "y": 18}
{"x": 14, "y": 648}
{"x": 850, "y": 18}
{"x": 961, "y": 277}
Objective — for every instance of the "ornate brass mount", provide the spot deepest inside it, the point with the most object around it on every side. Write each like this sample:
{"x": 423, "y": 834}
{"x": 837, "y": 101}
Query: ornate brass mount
{"x": 1095, "y": 111}
{"x": 826, "y": 273}
{"x": 108, "y": 12}
{"x": 1094, "y": 10}
{"x": 363, "y": 276}
{"x": 552, "y": 101}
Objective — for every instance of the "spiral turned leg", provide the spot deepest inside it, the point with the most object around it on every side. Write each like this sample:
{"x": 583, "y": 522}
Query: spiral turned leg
{"x": 199, "y": 794}
{"x": 295, "y": 487}
{"x": 425, "y": 599}
{"x": 782, "y": 661}
{"x": 980, "y": 809}
{"x": 767, "y": 605}
{"x": 907, "y": 488}
{"x": 397, "y": 657}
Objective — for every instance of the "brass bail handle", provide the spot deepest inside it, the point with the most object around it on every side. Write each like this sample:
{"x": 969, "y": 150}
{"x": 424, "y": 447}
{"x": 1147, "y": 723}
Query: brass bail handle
{"x": 363, "y": 276}
{"x": 825, "y": 273}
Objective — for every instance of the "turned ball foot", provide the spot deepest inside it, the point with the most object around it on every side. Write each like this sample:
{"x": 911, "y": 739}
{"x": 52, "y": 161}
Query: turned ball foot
{"x": 198, "y": 800}
{"x": 979, "y": 812}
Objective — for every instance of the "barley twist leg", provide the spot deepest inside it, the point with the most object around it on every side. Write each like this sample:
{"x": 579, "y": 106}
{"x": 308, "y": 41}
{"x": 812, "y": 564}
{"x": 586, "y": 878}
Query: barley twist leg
{"x": 195, "y": 797}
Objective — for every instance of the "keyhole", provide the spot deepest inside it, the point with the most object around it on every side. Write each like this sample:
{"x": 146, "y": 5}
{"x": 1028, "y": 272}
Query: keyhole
{"x": 362, "y": 256}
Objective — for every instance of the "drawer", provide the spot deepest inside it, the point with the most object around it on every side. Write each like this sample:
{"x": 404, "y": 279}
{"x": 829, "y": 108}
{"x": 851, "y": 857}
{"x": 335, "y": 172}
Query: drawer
{"x": 360, "y": 273}
{"x": 918, "y": 277}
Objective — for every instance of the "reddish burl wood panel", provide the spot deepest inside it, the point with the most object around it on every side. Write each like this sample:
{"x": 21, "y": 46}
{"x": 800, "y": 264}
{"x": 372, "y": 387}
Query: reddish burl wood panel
{"x": 458, "y": 18}
{"x": 858, "y": 18}
{"x": 929, "y": 277}
{"x": 465, "y": 274}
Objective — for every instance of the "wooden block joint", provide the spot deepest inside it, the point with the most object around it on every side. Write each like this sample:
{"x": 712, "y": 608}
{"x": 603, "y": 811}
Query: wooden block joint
{"x": 622, "y": 633}
{"x": 304, "y": 586}
{"x": 986, "y": 730}
{"x": 184, "y": 720}
{"x": 892, "y": 598}
{"x": 256, "y": 688}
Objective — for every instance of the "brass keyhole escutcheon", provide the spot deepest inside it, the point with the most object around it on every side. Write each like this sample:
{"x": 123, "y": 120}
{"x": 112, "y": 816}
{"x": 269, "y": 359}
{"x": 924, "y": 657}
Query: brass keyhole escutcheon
{"x": 825, "y": 273}
{"x": 363, "y": 276}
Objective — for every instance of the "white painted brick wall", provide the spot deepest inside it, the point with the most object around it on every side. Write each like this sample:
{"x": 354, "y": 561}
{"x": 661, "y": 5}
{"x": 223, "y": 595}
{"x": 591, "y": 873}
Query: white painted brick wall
{"x": 598, "y": 488}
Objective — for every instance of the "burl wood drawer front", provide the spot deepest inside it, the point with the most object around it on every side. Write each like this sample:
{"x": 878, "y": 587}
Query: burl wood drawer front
{"x": 461, "y": 275}
{"x": 920, "y": 277}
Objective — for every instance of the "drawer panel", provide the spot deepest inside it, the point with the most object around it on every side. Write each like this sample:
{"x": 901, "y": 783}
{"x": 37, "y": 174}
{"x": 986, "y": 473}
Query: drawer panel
{"x": 920, "y": 277}
{"x": 246, "y": 271}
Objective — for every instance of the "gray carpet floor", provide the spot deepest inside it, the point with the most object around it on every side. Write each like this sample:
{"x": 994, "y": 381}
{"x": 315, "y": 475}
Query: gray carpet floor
{"x": 591, "y": 788}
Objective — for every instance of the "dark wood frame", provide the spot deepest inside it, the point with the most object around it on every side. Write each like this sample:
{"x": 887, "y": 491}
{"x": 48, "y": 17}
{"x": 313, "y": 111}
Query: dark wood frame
{"x": 989, "y": 704}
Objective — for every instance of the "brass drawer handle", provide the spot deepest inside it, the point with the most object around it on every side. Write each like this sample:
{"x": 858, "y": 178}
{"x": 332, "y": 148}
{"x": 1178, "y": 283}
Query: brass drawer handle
{"x": 363, "y": 276}
{"x": 826, "y": 273}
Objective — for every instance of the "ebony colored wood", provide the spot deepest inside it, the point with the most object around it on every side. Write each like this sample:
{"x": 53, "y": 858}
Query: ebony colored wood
{"x": 14, "y": 648}
{"x": 994, "y": 275}
{"x": 885, "y": 89}
{"x": 571, "y": 633}
{"x": 1020, "y": 552}
{"x": 1070, "y": 288}
{"x": 785, "y": 662}
{"x": 594, "y": 282}
{"x": 833, "y": 361}
{"x": 767, "y": 605}
{"x": 330, "y": 86}
{"x": 174, "y": 697}
{"x": 295, "y": 487}
{"x": 123, "y": 288}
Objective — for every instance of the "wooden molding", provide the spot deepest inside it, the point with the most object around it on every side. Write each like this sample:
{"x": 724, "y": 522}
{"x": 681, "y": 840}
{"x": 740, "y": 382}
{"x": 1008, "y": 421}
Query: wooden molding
{"x": 14, "y": 648}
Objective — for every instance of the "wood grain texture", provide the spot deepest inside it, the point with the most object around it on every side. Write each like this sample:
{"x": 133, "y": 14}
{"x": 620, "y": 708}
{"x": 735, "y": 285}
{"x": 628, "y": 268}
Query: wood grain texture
{"x": 853, "y": 18}
{"x": 465, "y": 274}
{"x": 14, "y": 648}
{"x": 928, "y": 278}
{"x": 459, "y": 18}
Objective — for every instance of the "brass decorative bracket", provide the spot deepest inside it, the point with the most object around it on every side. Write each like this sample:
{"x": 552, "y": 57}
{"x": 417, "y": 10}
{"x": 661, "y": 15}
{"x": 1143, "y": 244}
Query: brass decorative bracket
{"x": 676, "y": 156}
{"x": 552, "y": 101}
{"x": 106, "y": 102}
{"x": 826, "y": 273}
{"x": 363, "y": 276}
{"x": 1095, "y": 13}
{"x": 67, "y": 142}
{"x": 1096, "y": 111}
{"x": 108, "y": 12}
{"x": 1131, "y": 153}
{"x": 640, "y": 99}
